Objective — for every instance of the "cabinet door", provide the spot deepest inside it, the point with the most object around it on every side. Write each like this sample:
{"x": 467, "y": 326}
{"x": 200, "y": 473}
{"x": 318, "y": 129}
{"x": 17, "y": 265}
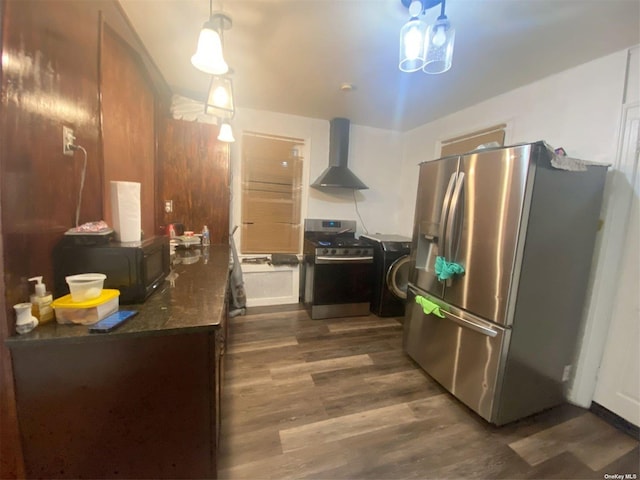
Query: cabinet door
{"x": 219, "y": 376}
{"x": 194, "y": 175}
{"x": 128, "y": 126}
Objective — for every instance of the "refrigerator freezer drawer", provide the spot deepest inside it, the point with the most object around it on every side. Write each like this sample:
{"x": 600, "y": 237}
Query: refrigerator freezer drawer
{"x": 464, "y": 355}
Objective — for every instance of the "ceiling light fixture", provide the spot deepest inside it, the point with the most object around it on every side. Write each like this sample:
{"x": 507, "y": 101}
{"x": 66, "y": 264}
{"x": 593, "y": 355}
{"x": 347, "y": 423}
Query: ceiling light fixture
{"x": 427, "y": 49}
{"x": 209, "y": 57}
{"x": 226, "y": 133}
{"x": 412, "y": 36}
{"x": 220, "y": 99}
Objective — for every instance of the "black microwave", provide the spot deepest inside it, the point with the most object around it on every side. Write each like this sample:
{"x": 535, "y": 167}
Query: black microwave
{"x": 137, "y": 269}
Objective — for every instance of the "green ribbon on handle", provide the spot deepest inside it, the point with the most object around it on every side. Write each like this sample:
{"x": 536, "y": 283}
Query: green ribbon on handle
{"x": 428, "y": 307}
{"x": 446, "y": 270}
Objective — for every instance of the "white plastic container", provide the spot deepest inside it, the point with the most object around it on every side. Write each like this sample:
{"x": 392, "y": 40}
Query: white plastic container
{"x": 85, "y": 286}
{"x": 89, "y": 312}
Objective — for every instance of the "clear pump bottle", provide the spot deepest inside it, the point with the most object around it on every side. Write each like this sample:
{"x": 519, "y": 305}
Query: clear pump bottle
{"x": 206, "y": 236}
{"x": 41, "y": 301}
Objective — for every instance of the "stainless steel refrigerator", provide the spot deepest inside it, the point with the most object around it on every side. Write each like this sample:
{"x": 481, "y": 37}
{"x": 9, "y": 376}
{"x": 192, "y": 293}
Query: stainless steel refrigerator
{"x": 517, "y": 226}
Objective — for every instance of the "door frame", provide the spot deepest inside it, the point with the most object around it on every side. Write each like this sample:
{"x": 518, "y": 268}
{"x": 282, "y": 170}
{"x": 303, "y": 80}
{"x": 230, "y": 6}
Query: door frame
{"x": 604, "y": 283}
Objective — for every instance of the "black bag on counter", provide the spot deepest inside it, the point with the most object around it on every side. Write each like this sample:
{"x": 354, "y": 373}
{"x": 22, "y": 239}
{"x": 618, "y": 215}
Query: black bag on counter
{"x": 284, "y": 259}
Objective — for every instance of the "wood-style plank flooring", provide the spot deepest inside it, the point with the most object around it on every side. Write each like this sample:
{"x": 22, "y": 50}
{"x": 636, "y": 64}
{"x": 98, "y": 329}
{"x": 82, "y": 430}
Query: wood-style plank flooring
{"x": 338, "y": 399}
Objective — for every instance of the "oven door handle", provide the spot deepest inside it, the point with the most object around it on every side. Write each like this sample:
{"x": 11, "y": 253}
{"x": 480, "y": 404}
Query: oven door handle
{"x": 323, "y": 259}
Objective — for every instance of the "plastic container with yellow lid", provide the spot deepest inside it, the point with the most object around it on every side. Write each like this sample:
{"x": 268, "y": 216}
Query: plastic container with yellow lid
{"x": 87, "y": 312}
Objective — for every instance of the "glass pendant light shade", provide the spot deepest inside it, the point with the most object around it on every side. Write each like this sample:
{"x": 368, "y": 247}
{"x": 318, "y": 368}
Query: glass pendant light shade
{"x": 208, "y": 57}
{"x": 220, "y": 99}
{"x": 439, "y": 46}
{"x": 412, "y": 45}
{"x": 226, "y": 134}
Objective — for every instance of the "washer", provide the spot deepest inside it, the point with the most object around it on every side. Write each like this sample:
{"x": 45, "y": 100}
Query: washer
{"x": 391, "y": 273}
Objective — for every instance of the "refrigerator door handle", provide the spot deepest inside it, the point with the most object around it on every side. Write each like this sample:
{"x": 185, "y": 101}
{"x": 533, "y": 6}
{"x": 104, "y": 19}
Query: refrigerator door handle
{"x": 463, "y": 322}
{"x": 489, "y": 332}
{"x": 445, "y": 212}
{"x": 452, "y": 221}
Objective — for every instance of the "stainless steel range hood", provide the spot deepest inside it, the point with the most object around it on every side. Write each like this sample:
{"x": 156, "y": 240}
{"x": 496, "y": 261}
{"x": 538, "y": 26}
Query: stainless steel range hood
{"x": 337, "y": 174}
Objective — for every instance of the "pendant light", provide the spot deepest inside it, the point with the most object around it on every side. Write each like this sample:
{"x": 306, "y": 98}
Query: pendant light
{"x": 226, "y": 134}
{"x": 412, "y": 40}
{"x": 429, "y": 49}
{"x": 220, "y": 98}
{"x": 439, "y": 45}
{"x": 209, "y": 57}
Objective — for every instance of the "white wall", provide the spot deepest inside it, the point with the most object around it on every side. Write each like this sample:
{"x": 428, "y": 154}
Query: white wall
{"x": 578, "y": 109}
{"x": 375, "y": 156}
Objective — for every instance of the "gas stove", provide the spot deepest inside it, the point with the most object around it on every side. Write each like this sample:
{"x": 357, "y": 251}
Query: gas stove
{"x": 337, "y": 269}
{"x": 339, "y": 248}
{"x": 334, "y": 238}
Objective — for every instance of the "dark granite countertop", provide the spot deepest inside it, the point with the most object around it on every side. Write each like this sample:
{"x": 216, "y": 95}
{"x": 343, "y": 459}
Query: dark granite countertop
{"x": 191, "y": 299}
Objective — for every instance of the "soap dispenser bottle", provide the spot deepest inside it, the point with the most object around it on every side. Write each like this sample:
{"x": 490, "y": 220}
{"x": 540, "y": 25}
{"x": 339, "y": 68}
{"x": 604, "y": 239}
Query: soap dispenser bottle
{"x": 41, "y": 301}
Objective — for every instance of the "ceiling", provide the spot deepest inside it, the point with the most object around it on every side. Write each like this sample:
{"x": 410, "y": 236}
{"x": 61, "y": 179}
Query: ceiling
{"x": 291, "y": 56}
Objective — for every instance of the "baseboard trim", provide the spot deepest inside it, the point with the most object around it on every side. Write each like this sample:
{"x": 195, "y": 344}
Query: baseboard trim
{"x": 615, "y": 420}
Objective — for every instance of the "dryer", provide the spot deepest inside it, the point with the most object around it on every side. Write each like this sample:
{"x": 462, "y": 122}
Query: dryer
{"x": 391, "y": 273}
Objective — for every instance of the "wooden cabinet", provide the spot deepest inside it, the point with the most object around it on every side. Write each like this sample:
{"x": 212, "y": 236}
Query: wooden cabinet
{"x": 127, "y": 408}
{"x": 140, "y": 402}
{"x": 128, "y": 125}
{"x": 194, "y": 175}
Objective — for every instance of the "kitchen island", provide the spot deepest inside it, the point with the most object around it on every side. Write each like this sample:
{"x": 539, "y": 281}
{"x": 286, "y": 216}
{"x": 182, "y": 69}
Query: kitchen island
{"x": 140, "y": 402}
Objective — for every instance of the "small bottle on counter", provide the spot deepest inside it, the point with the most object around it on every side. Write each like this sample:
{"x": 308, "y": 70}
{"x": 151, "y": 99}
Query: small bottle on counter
{"x": 206, "y": 237}
{"x": 25, "y": 321}
{"x": 41, "y": 301}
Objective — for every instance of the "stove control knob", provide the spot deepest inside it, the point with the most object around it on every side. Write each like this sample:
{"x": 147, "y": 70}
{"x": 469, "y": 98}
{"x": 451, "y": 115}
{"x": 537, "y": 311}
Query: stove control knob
{"x": 325, "y": 251}
{"x": 357, "y": 252}
{"x": 333, "y": 252}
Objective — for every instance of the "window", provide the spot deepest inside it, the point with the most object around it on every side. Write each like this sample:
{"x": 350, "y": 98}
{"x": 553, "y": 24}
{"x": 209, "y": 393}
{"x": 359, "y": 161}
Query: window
{"x": 467, "y": 143}
{"x": 271, "y": 193}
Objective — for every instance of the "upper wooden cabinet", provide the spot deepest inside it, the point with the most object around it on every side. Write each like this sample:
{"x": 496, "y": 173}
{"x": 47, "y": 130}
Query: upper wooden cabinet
{"x": 128, "y": 125}
{"x": 194, "y": 176}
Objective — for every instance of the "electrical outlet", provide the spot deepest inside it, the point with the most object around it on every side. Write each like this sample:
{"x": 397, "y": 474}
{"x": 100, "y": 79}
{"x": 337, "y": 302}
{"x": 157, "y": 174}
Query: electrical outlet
{"x": 67, "y": 140}
{"x": 168, "y": 206}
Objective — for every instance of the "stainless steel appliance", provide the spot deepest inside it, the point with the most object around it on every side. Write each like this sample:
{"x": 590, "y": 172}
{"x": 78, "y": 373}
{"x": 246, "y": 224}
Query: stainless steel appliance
{"x": 337, "y": 174}
{"x": 337, "y": 269}
{"x": 390, "y": 273}
{"x": 514, "y": 229}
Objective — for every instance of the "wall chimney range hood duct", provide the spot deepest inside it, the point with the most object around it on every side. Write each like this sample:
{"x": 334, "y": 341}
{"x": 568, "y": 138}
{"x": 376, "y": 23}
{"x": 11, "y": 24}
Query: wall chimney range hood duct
{"x": 337, "y": 175}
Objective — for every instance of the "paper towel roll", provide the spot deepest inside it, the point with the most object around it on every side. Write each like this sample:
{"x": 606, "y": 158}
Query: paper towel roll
{"x": 125, "y": 207}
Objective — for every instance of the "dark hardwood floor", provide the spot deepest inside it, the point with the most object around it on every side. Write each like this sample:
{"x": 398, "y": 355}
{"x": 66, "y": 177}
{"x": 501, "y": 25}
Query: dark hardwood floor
{"x": 338, "y": 398}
